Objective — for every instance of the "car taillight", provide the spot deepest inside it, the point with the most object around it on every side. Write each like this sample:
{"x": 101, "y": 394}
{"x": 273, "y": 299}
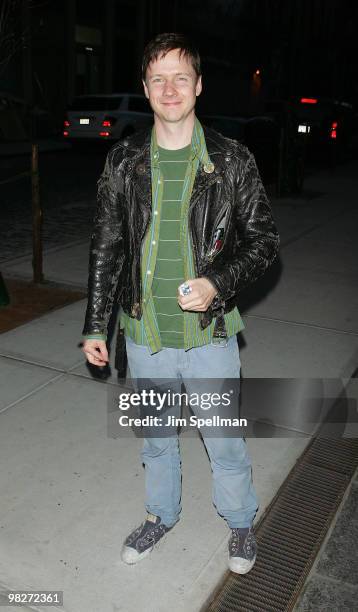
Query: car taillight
{"x": 66, "y": 123}
{"x": 104, "y": 133}
{"x": 334, "y": 126}
{"x": 309, "y": 100}
{"x": 109, "y": 121}
{"x": 65, "y": 133}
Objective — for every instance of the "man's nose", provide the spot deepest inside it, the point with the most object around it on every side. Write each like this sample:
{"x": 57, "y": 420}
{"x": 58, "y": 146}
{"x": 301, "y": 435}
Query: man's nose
{"x": 169, "y": 89}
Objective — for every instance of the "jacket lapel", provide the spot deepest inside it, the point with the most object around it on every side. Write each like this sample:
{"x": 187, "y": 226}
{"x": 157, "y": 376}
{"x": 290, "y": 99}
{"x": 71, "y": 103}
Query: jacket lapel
{"x": 139, "y": 173}
{"x": 204, "y": 180}
{"x": 140, "y": 176}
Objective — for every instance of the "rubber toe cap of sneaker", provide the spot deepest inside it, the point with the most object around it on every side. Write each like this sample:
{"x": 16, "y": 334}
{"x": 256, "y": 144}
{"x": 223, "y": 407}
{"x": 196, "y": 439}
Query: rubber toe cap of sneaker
{"x": 240, "y": 565}
{"x": 130, "y": 555}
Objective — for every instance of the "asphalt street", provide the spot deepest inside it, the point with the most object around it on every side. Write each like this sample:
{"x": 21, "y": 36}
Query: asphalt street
{"x": 68, "y": 184}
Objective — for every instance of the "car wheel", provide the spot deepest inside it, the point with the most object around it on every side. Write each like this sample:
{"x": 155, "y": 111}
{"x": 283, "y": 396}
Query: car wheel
{"x": 298, "y": 176}
{"x": 128, "y": 131}
{"x": 78, "y": 145}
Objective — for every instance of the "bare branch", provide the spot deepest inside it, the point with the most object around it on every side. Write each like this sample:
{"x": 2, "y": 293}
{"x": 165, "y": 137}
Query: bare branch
{"x": 12, "y": 34}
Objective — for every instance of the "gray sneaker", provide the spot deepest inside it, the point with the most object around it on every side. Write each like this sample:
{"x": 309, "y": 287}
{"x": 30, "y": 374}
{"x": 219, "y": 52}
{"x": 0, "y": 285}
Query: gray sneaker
{"x": 140, "y": 543}
{"x": 242, "y": 550}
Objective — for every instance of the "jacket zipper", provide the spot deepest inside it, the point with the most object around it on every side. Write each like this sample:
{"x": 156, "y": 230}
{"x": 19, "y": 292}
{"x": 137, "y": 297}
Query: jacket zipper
{"x": 139, "y": 302}
{"x": 196, "y": 259}
{"x": 211, "y": 258}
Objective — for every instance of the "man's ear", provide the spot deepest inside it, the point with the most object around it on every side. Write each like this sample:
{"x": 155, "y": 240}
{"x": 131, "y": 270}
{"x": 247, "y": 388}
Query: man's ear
{"x": 198, "y": 86}
{"x": 145, "y": 89}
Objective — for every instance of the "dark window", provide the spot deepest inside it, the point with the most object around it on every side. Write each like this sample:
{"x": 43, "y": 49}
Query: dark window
{"x": 139, "y": 105}
{"x": 96, "y": 103}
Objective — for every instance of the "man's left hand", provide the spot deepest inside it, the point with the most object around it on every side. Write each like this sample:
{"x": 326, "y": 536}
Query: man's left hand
{"x": 201, "y": 295}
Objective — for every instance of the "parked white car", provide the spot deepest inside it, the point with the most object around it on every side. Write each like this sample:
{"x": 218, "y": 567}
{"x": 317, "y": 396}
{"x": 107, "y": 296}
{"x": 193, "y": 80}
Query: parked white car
{"x": 106, "y": 117}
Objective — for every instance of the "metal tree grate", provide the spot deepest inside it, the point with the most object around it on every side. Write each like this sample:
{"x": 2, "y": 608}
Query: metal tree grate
{"x": 290, "y": 534}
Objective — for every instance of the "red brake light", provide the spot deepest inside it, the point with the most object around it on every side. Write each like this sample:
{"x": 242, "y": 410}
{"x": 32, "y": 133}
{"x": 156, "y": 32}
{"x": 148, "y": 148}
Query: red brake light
{"x": 309, "y": 100}
{"x": 65, "y": 133}
{"x": 104, "y": 133}
{"x": 109, "y": 121}
{"x": 66, "y": 123}
{"x": 334, "y": 126}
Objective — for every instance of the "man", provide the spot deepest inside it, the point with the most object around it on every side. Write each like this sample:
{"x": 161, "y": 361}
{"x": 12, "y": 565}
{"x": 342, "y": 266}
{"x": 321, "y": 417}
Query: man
{"x": 182, "y": 225}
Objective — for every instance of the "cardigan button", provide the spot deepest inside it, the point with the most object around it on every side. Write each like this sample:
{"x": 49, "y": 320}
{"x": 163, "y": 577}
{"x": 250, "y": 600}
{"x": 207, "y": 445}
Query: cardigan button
{"x": 135, "y": 309}
{"x": 209, "y": 167}
{"x": 140, "y": 169}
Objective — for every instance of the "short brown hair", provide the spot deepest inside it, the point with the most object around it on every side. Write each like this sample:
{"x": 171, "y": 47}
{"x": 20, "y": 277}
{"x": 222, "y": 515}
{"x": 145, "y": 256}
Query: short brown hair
{"x": 163, "y": 43}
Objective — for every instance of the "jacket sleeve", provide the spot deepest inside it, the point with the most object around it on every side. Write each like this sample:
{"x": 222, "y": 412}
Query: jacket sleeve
{"x": 258, "y": 240}
{"x": 106, "y": 253}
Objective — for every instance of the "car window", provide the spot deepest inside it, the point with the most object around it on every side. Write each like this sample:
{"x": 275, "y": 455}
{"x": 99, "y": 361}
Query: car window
{"x": 227, "y": 126}
{"x": 315, "y": 112}
{"x": 321, "y": 111}
{"x": 96, "y": 103}
{"x": 138, "y": 105}
{"x": 261, "y": 129}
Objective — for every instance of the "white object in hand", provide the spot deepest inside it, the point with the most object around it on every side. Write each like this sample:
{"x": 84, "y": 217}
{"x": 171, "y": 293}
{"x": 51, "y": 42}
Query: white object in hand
{"x": 184, "y": 289}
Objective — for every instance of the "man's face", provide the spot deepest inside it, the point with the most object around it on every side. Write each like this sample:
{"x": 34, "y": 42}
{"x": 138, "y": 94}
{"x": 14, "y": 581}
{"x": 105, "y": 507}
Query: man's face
{"x": 171, "y": 86}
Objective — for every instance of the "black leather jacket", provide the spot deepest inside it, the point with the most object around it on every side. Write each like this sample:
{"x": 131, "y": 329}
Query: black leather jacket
{"x": 232, "y": 191}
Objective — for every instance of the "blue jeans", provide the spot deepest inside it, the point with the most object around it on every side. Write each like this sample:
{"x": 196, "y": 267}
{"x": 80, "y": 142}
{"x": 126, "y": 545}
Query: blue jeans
{"x": 233, "y": 493}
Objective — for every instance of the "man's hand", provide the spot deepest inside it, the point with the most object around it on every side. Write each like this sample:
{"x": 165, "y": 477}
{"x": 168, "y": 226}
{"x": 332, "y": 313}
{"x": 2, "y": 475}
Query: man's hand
{"x": 201, "y": 295}
{"x": 96, "y": 352}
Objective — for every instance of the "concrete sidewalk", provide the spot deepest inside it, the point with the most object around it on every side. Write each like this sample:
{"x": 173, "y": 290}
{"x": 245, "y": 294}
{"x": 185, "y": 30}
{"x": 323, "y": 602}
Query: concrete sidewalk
{"x": 332, "y": 583}
{"x": 71, "y": 494}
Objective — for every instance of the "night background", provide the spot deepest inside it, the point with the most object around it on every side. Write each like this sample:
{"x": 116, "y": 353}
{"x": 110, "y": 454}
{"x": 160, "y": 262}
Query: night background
{"x": 301, "y": 47}
{"x": 260, "y": 59}
{"x": 281, "y": 77}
